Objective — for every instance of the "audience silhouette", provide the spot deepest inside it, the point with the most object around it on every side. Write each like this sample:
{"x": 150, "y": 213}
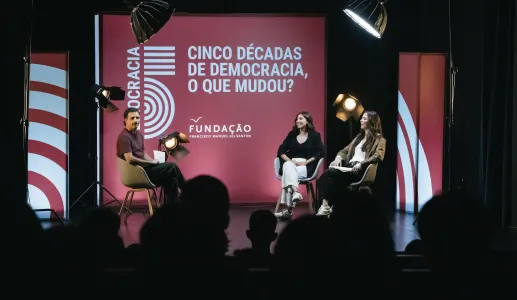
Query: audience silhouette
{"x": 261, "y": 233}
{"x": 184, "y": 247}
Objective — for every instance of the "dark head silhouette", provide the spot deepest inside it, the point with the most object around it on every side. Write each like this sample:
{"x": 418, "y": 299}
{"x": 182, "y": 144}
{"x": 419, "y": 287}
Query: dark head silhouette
{"x": 416, "y": 246}
{"x": 262, "y": 227}
{"x": 365, "y": 239}
{"x": 208, "y": 198}
{"x": 454, "y": 226}
{"x": 302, "y": 243}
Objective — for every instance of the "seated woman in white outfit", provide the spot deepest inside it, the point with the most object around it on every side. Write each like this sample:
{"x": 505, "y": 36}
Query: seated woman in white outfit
{"x": 299, "y": 154}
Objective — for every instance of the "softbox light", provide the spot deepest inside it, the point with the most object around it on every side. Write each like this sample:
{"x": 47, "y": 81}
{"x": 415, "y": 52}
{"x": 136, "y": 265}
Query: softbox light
{"x": 371, "y": 15}
{"x": 106, "y": 94}
{"x": 148, "y": 17}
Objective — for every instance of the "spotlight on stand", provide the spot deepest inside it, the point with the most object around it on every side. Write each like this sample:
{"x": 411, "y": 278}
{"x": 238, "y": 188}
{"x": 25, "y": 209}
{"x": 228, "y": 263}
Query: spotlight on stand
{"x": 107, "y": 94}
{"x": 371, "y": 15}
{"x": 348, "y": 107}
{"x": 148, "y": 17}
{"x": 172, "y": 144}
{"x": 104, "y": 96}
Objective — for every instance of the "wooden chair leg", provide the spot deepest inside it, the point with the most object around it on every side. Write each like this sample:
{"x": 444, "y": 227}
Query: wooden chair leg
{"x": 308, "y": 187}
{"x": 316, "y": 193}
{"x": 161, "y": 198}
{"x": 315, "y": 202}
{"x": 131, "y": 200}
{"x": 154, "y": 197}
{"x": 278, "y": 201}
{"x": 123, "y": 204}
{"x": 149, "y": 201}
{"x": 152, "y": 192}
{"x": 128, "y": 211}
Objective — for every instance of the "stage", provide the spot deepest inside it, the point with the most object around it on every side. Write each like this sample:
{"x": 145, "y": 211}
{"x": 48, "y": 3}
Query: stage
{"x": 402, "y": 228}
{"x": 401, "y": 225}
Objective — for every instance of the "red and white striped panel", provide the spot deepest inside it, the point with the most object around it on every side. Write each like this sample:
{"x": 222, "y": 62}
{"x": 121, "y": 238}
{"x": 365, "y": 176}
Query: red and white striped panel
{"x": 420, "y": 129}
{"x": 48, "y": 133}
{"x": 413, "y": 174}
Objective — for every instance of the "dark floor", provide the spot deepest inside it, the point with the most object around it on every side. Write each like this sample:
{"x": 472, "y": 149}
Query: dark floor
{"x": 401, "y": 226}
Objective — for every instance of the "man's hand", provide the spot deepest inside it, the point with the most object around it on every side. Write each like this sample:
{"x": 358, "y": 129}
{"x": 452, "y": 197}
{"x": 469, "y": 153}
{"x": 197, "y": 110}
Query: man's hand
{"x": 356, "y": 168}
{"x": 155, "y": 162}
{"x": 336, "y": 162}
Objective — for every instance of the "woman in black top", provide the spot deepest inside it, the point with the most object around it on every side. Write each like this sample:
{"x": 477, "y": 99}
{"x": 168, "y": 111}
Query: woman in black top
{"x": 299, "y": 154}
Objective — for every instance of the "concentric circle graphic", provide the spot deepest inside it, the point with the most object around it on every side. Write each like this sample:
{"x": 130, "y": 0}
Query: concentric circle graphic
{"x": 159, "y": 108}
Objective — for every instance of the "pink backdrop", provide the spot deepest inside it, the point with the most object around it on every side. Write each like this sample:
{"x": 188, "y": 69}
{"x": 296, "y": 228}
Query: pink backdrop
{"x": 157, "y": 79}
{"x": 420, "y": 129}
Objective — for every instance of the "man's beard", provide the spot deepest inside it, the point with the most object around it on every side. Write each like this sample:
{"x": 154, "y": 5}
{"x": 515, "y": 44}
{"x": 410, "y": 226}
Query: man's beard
{"x": 134, "y": 128}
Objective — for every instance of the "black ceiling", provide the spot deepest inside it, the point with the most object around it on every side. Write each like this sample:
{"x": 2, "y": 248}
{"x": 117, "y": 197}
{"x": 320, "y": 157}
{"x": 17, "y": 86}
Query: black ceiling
{"x": 194, "y": 6}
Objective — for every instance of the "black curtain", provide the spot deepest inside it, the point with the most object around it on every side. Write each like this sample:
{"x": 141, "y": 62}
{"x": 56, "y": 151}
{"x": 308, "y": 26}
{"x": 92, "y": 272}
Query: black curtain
{"x": 496, "y": 108}
{"x": 16, "y": 40}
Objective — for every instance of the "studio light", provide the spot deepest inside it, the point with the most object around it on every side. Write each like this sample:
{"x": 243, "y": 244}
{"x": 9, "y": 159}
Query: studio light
{"x": 172, "y": 144}
{"x": 104, "y": 96}
{"x": 174, "y": 139}
{"x": 107, "y": 94}
{"x": 348, "y": 107}
{"x": 148, "y": 17}
{"x": 371, "y": 15}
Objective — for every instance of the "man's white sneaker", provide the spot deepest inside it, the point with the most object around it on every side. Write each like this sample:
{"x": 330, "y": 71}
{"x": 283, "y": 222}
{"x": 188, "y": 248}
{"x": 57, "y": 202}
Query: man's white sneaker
{"x": 324, "y": 210}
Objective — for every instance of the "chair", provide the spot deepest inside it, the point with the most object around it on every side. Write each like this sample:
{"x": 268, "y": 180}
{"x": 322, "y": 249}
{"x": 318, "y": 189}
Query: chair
{"x": 136, "y": 179}
{"x": 366, "y": 181}
{"x": 305, "y": 181}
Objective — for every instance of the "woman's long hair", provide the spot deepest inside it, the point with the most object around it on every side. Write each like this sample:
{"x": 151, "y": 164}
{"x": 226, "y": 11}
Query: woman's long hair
{"x": 374, "y": 131}
{"x": 308, "y": 127}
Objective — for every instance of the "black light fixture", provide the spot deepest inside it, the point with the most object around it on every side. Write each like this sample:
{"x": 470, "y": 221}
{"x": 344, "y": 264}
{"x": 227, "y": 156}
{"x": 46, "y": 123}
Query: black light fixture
{"x": 348, "y": 107}
{"x": 172, "y": 144}
{"x": 107, "y": 94}
{"x": 148, "y": 17}
{"x": 104, "y": 96}
{"x": 371, "y": 15}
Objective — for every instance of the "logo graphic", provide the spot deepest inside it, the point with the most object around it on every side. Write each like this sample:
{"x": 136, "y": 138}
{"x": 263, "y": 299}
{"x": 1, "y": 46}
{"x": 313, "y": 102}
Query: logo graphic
{"x": 159, "y": 60}
{"x": 158, "y": 102}
{"x": 196, "y": 120}
{"x": 218, "y": 131}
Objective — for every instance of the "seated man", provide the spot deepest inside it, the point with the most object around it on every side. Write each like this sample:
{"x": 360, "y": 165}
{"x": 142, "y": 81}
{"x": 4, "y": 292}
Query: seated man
{"x": 130, "y": 147}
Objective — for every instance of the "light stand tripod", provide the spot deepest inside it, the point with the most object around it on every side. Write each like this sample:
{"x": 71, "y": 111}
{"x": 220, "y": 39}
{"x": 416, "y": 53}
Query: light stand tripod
{"x": 25, "y": 118}
{"x": 452, "y": 86}
{"x": 351, "y": 130}
{"x": 450, "y": 118}
{"x": 95, "y": 183}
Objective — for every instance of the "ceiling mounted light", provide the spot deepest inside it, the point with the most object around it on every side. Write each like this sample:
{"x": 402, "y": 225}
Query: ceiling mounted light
{"x": 371, "y": 15}
{"x": 148, "y": 17}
